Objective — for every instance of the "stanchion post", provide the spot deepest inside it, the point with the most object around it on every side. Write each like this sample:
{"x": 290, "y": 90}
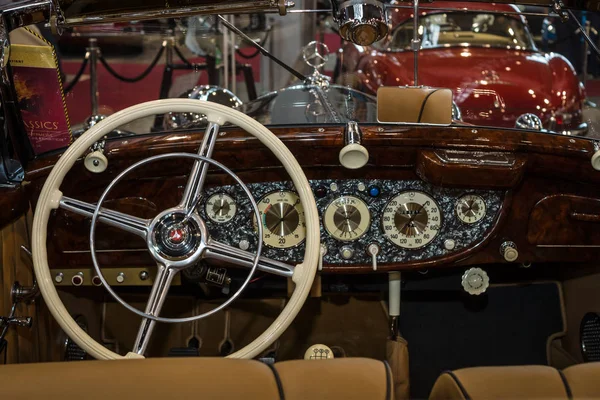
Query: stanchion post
{"x": 167, "y": 81}
{"x": 586, "y": 49}
{"x": 94, "y": 52}
{"x": 167, "y": 78}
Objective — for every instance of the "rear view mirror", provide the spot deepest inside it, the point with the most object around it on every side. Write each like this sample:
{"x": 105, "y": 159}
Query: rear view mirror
{"x": 414, "y": 105}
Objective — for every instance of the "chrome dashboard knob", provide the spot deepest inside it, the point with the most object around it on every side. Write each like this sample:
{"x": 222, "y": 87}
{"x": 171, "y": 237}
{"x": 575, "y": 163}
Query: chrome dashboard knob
{"x": 475, "y": 281}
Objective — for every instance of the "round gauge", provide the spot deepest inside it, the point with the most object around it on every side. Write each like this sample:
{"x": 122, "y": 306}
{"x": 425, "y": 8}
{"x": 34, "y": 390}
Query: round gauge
{"x": 470, "y": 208}
{"x": 347, "y": 218}
{"x": 220, "y": 208}
{"x": 283, "y": 221}
{"x": 411, "y": 220}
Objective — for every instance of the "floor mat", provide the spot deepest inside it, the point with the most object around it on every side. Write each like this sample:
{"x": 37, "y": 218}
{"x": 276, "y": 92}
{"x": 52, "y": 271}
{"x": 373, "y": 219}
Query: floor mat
{"x": 447, "y": 330}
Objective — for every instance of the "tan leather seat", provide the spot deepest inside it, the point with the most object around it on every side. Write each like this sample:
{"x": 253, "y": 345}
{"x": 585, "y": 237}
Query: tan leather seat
{"x": 197, "y": 378}
{"x": 584, "y": 380}
{"x": 519, "y": 382}
{"x": 527, "y": 382}
{"x": 346, "y": 378}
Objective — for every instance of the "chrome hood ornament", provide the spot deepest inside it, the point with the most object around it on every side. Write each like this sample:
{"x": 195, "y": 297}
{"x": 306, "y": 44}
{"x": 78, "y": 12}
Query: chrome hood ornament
{"x": 316, "y": 55}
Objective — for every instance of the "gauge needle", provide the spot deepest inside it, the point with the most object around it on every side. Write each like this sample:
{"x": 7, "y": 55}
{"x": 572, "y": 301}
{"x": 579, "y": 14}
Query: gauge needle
{"x": 346, "y": 218}
{"x": 281, "y": 219}
{"x": 222, "y": 208}
{"x": 410, "y": 224}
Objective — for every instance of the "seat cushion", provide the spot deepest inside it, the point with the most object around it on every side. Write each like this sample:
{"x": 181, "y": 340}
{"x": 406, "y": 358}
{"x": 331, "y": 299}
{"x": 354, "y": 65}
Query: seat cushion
{"x": 197, "y": 378}
{"x": 584, "y": 380}
{"x": 155, "y": 378}
{"x": 518, "y": 382}
{"x": 343, "y": 378}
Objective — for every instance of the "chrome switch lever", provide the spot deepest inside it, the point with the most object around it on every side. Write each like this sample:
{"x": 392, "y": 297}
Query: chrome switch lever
{"x": 322, "y": 254}
{"x": 373, "y": 251}
{"x": 18, "y": 321}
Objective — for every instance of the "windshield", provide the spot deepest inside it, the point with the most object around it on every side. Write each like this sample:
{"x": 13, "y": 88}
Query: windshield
{"x": 461, "y": 29}
{"x": 502, "y": 74}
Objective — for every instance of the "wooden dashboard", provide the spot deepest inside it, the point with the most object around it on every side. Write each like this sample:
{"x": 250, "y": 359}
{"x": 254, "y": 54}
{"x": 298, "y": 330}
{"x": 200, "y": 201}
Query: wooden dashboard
{"x": 550, "y": 206}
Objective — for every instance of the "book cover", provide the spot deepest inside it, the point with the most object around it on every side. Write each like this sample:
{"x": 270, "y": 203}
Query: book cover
{"x": 39, "y": 92}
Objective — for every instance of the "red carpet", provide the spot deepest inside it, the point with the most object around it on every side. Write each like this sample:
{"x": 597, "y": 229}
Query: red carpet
{"x": 115, "y": 95}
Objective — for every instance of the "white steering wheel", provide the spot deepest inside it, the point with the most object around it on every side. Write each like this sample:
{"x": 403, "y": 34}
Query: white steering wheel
{"x": 176, "y": 238}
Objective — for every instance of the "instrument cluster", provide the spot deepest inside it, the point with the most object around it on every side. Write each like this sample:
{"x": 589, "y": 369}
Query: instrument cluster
{"x": 362, "y": 221}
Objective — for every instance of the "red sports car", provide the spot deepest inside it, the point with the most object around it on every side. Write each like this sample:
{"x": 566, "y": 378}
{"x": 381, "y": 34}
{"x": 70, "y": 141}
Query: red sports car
{"x": 485, "y": 55}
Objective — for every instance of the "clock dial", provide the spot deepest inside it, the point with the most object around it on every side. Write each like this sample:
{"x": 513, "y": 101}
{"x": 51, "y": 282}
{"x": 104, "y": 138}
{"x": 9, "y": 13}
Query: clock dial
{"x": 470, "y": 209}
{"x": 282, "y": 217}
{"x": 347, "y": 218}
{"x": 411, "y": 220}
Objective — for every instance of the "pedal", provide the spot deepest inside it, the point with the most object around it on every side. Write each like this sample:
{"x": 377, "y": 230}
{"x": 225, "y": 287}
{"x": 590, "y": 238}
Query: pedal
{"x": 72, "y": 350}
{"x": 590, "y": 337}
{"x": 318, "y": 352}
{"x": 184, "y": 352}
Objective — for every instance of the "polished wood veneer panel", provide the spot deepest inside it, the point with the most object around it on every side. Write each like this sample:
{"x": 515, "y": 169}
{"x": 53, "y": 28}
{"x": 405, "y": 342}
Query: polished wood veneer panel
{"x": 565, "y": 220}
{"x": 544, "y": 165}
{"x": 13, "y": 204}
{"x": 491, "y": 170}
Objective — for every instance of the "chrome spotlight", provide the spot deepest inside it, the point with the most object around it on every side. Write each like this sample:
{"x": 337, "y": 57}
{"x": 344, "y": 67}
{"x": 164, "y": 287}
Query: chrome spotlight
{"x": 362, "y": 22}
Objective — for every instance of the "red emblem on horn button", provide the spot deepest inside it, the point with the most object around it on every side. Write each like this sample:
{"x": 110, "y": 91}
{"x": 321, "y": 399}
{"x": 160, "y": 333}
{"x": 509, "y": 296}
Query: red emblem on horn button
{"x": 176, "y": 235}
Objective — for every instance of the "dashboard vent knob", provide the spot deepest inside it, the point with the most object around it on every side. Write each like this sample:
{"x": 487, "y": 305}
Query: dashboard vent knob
{"x": 96, "y": 162}
{"x": 475, "y": 281}
{"x": 509, "y": 251}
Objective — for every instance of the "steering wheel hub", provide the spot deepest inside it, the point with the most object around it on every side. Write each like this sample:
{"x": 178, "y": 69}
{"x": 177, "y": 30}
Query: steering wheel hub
{"x": 175, "y": 237}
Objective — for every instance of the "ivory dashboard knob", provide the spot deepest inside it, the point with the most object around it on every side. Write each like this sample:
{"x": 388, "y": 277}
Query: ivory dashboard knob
{"x": 475, "y": 281}
{"x": 354, "y": 156}
{"x": 596, "y": 160}
{"x": 509, "y": 251}
{"x": 96, "y": 162}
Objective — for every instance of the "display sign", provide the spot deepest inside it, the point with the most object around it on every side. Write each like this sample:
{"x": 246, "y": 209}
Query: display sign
{"x": 39, "y": 91}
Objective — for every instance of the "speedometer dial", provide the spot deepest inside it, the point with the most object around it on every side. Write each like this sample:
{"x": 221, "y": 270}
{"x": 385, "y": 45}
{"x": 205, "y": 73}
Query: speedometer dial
{"x": 411, "y": 220}
{"x": 347, "y": 218}
{"x": 282, "y": 217}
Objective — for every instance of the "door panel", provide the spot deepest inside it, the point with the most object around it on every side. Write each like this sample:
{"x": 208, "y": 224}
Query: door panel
{"x": 15, "y": 265}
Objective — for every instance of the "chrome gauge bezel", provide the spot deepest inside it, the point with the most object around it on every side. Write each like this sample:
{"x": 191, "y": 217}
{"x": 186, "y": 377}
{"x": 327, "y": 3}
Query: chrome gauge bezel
{"x": 331, "y": 204}
{"x": 392, "y": 198}
{"x": 208, "y": 213}
{"x": 470, "y": 195}
{"x": 265, "y": 230}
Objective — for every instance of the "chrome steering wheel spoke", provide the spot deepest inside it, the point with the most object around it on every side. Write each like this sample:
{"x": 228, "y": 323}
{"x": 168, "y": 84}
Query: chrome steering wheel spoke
{"x": 195, "y": 183}
{"x": 125, "y": 222}
{"x": 223, "y": 252}
{"x": 160, "y": 288}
